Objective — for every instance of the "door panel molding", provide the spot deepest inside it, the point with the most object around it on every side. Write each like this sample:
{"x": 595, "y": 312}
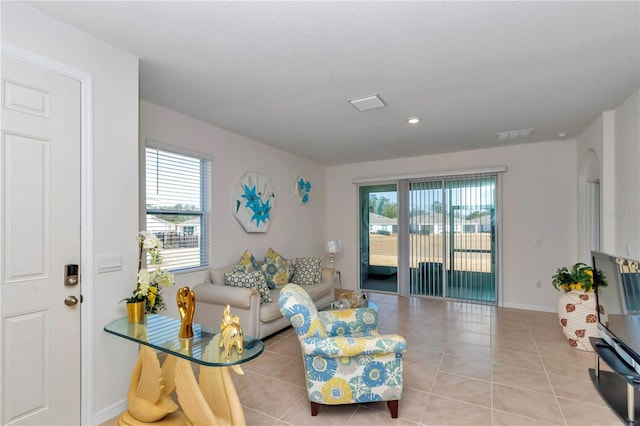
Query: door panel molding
{"x": 26, "y": 193}
{"x": 29, "y": 100}
{"x": 26, "y": 369}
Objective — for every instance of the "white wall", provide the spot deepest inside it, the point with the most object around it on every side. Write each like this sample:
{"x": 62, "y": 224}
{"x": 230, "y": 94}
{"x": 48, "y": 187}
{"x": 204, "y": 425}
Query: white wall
{"x": 626, "y": 212}
{"x": 538, "y": 200}
{"x": 115, "y": 174}
{"x": 590, "y": 171}
{"x": 609, "y": 150}
{"x": 295, "y": 230}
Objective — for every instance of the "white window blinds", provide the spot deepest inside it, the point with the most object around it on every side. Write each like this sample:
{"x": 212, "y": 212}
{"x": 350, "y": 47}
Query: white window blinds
{"x": 177, "y": 204}
{"x": 452, "y": 225}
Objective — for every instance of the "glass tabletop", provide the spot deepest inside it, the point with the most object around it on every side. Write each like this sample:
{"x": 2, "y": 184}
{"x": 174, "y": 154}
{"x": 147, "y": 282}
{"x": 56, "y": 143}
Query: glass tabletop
{"x": 161, "y": 333}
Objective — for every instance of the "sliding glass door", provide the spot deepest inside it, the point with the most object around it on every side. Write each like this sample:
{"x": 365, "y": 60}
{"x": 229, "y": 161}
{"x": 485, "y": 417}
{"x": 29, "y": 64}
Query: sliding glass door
{"x": 443, "y": 231}
{"x": 379, "y": 237}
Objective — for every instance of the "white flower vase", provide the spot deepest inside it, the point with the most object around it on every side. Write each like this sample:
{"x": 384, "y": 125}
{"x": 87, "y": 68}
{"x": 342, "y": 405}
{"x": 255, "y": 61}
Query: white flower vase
{"x": 579, "y": 318}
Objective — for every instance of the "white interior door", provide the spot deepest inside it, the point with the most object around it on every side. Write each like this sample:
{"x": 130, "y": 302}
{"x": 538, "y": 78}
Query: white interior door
{"x": 40, "y": 234}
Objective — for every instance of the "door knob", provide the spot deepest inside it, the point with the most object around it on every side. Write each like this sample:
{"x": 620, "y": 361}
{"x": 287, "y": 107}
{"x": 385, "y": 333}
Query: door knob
{"x": 71, "y": 301}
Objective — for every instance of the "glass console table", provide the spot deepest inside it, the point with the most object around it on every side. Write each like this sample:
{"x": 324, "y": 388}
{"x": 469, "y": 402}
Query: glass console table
{"x": 213, "y": 401}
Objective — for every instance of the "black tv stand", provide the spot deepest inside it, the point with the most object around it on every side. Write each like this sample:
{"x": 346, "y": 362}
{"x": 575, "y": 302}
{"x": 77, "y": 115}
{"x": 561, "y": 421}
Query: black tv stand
{"x": 619, "y": 389}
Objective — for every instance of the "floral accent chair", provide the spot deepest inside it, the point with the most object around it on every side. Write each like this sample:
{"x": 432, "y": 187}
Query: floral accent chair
{"x": 346, "y": 360}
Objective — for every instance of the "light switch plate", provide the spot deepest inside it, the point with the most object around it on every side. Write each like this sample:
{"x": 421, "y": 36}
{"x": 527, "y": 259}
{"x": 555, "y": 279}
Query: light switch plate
{"x": 109, "y": 263}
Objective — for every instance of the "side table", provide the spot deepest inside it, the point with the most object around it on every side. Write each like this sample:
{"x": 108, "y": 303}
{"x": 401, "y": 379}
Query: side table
{"x": 212, "y": 401}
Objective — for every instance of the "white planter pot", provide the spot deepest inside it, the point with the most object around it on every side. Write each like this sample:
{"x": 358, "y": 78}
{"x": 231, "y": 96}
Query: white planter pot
{"x": 578, "y": 318}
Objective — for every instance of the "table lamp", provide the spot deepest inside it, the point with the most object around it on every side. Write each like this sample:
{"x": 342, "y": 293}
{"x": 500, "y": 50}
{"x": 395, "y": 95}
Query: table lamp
{"x": 333, "y": 246}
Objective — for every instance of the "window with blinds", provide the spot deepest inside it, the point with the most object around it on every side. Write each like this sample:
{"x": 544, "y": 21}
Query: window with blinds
{"x": 177, "y": 205}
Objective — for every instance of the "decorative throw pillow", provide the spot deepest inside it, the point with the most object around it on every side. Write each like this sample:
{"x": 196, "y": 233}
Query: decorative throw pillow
{"x": 253, "y": 279}
{"x": 276, "y": 269}
{"x": 247, "y": 263}
{"x": 307, "y": 270}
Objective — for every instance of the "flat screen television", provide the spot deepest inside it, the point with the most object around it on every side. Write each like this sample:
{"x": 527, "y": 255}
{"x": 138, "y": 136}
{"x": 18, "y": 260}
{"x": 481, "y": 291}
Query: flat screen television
{"x": 619, "y": 318}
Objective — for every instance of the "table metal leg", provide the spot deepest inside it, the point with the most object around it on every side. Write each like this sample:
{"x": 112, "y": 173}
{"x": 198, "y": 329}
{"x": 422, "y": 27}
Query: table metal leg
{"x": 631, "y": 409}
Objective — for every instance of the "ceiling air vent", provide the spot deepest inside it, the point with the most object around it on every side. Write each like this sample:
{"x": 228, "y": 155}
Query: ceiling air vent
{"x": 367, "y": 103}
{"x": 513, "y": 135}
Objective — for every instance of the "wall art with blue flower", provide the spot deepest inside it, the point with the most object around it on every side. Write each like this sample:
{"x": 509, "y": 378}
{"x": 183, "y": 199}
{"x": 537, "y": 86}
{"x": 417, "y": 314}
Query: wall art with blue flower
{"x": 302, "y": 189}
{"x": 253, "y": 202}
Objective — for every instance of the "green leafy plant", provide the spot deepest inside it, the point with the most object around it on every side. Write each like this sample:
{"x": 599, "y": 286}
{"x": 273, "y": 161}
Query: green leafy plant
{"x": 150, "y": 281}
{"x": 579, "y": 277}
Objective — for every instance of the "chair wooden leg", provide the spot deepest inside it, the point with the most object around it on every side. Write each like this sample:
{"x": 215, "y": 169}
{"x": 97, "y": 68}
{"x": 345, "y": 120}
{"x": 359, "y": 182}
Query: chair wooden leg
{"x": 393, "y": 408}
{"x": 315, "y": 408}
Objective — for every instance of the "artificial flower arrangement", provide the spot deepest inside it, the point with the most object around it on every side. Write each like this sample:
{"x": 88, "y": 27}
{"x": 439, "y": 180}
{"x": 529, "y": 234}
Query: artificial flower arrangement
{"x": 150, "y": 281}
{"x": 579, "y": 277}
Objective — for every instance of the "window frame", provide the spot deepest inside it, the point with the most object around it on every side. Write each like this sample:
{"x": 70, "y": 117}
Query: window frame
{"x": 205, "y": 200}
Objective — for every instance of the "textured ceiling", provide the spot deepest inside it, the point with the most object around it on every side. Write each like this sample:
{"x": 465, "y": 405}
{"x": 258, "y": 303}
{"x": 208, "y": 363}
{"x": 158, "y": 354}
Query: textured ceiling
{"x": 282, "y": 72}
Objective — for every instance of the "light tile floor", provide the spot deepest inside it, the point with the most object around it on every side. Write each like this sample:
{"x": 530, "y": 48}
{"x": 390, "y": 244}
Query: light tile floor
{"x": 466, "y": 364}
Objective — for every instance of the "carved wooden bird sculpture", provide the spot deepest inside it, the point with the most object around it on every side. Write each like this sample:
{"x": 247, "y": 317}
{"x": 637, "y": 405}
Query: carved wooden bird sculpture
{"x": 150, "y": 389}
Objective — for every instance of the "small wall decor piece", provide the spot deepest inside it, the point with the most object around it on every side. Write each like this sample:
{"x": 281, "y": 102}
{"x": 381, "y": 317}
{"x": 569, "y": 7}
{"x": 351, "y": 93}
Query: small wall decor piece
{"x": 302, "y": 189}
{"x": 253, "y": 202}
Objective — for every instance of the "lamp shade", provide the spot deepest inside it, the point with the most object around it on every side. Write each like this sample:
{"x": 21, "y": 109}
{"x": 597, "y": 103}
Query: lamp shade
{"x": 334, "y": 246}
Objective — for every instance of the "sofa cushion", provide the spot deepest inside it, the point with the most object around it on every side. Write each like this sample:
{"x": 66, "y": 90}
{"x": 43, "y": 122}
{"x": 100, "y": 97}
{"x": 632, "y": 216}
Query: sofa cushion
{"x": 216, "y": 275}
{"x": 318, "y": 291}
{"x": 270, "y": 311}
{"x": 307, "y": 270}
{"x": 247, "y": 263}
{"x": 276, "y": 269}
{"x": 250, "y": 280}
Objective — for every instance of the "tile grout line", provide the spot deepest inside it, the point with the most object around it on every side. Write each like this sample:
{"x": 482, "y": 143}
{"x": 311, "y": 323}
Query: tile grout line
{"x": 546, "y": 373}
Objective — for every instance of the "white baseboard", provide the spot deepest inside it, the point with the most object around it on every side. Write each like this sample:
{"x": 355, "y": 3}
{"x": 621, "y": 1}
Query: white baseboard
{"x": 529, "y": 307}
{"x": 110, "y": 412}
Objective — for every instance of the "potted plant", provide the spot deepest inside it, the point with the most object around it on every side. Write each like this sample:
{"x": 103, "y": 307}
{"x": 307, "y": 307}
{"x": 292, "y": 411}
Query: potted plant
{"x": 577, "y": 303}
{"x": 147, "y": 296}
{"x": 578, "y": 278}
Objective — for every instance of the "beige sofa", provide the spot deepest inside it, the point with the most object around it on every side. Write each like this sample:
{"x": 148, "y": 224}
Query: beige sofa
{"x": 257, "y": 320}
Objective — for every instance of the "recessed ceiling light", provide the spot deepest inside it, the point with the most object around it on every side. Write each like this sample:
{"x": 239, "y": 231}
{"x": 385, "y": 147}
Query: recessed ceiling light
{"x": 562, "y": 134}
{"x": 413, "y": 120}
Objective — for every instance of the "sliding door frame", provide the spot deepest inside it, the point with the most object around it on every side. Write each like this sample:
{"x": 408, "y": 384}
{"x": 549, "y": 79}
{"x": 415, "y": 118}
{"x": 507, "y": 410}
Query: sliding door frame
{"x": 402, "y": 185}
{"x": 404, "y": 251}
